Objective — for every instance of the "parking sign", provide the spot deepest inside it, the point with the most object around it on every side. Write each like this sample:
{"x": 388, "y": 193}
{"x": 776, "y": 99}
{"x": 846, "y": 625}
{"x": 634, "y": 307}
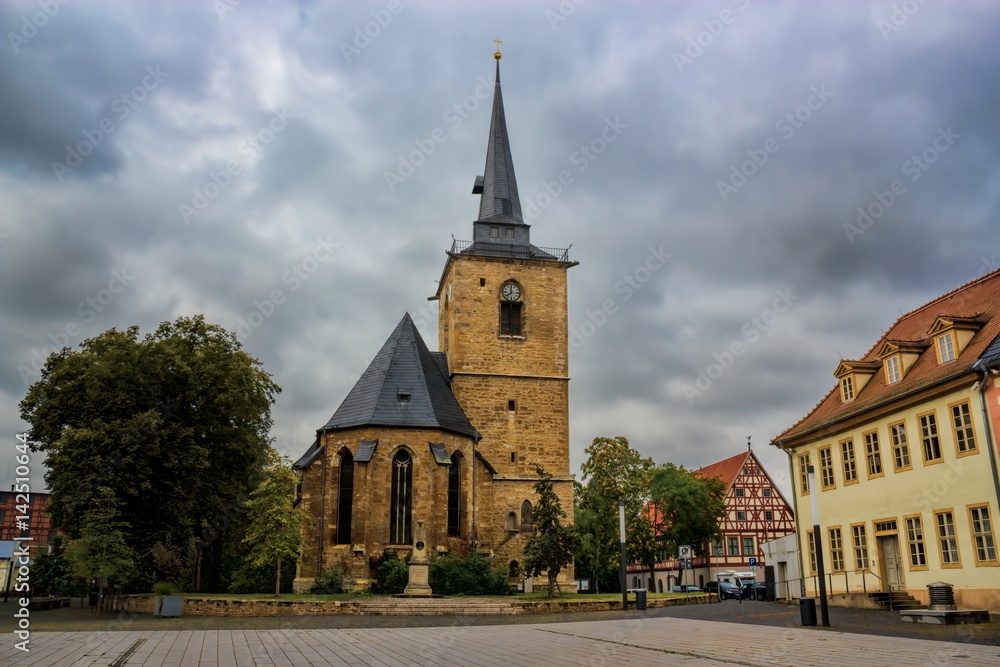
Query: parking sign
{"x": 753, "y": 562}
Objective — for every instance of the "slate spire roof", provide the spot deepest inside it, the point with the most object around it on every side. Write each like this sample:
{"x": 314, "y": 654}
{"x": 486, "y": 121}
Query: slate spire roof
{"x": 497, "y": 185}
{"x": 406, "y": 385}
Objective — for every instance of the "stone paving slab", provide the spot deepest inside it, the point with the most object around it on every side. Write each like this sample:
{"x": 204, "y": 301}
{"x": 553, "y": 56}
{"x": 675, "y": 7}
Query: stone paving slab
{"x": 634, "y": 641}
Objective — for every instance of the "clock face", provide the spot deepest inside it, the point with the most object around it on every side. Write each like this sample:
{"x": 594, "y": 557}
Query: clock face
{"x": 511, "y": 292}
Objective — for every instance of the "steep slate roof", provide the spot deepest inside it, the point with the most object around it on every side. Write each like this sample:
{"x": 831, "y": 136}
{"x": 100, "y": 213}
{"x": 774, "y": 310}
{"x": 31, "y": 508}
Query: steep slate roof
{"x": 404, "y": 365}
{"x": 979, "y": 299}
{"x": 498, "y": 186}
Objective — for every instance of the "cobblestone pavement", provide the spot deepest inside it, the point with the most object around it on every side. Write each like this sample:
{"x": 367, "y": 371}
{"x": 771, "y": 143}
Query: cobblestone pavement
{"x": 636, "y": 640}
{"x": 748, "y": 633}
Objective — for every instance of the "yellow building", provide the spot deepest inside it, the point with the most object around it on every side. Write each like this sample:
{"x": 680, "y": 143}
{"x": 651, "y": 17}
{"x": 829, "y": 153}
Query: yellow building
{"x": 904, "y": 451}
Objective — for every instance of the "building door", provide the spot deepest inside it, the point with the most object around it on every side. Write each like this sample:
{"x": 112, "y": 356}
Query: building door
{"x": 890, "y": 567}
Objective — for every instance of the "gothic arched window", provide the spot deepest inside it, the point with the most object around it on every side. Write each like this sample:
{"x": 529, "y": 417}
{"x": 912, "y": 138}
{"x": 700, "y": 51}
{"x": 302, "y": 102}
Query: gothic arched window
{"x": 345, "y": 498}
{"x": 526, "y": 517}
{"x": 455, "y": 496}
{"x": 401, "y": 502}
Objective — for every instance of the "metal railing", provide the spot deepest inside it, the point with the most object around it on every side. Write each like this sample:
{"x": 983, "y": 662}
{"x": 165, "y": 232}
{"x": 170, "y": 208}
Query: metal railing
{"x": 509, "y": 251}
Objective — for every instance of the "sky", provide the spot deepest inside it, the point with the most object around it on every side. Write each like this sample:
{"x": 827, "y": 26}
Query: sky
{"x": 753, "y": 190}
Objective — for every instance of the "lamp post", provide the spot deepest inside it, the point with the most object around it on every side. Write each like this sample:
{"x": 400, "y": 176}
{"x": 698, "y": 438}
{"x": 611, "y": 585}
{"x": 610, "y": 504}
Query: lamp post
{"x": 621, "y": 533}
{"x": 818, "y": 547}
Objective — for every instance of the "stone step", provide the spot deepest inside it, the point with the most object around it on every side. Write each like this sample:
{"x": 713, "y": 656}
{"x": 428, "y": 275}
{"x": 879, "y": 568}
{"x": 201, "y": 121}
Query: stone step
{"x": 434, "y": 607}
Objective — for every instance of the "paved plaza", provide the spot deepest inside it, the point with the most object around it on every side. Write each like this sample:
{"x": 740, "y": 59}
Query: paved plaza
{"x": 635, "y": 640}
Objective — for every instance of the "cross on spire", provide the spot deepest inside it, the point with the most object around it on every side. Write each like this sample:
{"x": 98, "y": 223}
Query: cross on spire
{"x": 498, "y": 43}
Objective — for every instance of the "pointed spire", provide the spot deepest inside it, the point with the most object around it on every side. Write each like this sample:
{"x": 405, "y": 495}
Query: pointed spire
{"x": 498, "y": 186}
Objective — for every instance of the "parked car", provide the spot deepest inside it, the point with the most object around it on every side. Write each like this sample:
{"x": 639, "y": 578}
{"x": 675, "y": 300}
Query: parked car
{"x": 756, "y": 591}
{"x": 687, "y": 588}
{"x": 724, "y": 589}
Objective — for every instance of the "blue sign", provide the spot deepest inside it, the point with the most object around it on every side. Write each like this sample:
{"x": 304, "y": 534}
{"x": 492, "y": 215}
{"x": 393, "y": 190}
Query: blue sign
{"x": 753, "y": 562}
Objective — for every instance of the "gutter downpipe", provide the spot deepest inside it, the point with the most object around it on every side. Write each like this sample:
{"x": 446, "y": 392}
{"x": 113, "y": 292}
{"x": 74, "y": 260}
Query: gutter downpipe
{"x": 988, "y": 428}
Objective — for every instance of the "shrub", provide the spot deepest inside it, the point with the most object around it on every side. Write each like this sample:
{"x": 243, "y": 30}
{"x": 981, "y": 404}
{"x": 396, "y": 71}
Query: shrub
{"x": 472, "y": 575}
{"x": 165, "y": 588}
{"x": 330, "y": 582}
{"x": 391, "y": 574}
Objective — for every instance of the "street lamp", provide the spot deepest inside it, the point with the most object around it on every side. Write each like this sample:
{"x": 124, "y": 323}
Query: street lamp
{"x": 818, "y": 547}
{"x": 621, "y": 532}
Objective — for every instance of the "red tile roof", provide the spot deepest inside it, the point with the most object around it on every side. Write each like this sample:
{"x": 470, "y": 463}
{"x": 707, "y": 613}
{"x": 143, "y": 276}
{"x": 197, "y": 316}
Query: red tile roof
{"x": 727, "y": 469}
{"x": 978, "y": 299}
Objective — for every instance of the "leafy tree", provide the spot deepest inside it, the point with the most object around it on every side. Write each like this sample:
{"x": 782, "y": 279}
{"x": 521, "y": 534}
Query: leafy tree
{"x": 52, "y": 573}
{"x": 551, "y": 545}
{"x": 614, "y": 471}
{"x": 275, "y": 530}
{"x": 595, "y": 556}
{"x": 175, "y": 425}
{"x": 689, "y": 506}
{"x": 101, "y": 551}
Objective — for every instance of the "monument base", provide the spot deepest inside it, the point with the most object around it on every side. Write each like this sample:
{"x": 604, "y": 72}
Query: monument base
{"x": 419, "y": 584}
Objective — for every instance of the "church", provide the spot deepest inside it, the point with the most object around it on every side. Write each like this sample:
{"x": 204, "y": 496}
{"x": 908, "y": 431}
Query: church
{"x": 452, "y": 438}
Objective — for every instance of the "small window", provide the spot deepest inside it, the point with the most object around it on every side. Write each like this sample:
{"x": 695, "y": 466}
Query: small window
{"x": 945, "y": 348}
{"x": 741, "y": 516}
{"x": 482, "y": 282}
{"x": 847, "y": 389}
{"x": 510, "y": 232}
{"x": 403, "y": 398}
{"x": 739, "y": 493}
{"x": 768, "y": 515}
{"x": 892, "y": 370}
{"x": 767, "y": 493}
{"x": 511, "y": 405}
{"x": 494, "y": 232}
{"x": 513, "y": 457}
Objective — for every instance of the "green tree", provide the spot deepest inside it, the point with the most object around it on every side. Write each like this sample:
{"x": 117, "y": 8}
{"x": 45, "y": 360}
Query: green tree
{"x": 689, "y": 506}
{"x": 612, "y": 472}
{"x": 551, "y": 545}
{"x": 275, "y": 522}
{"x": 101, "y": 551}
{"x": 175, "y": 425}
{"x": 52, "y": 573}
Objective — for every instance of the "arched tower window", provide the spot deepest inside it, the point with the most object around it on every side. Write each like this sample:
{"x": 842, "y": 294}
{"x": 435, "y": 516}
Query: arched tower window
{"x": 401, "y": 503}
{"x": 526, "y": 517}
{"x": 511, "y": 524}
{"x": 511, "y": 316}
{"x": 455, "y": 496}
{"x": 345, "y": 498}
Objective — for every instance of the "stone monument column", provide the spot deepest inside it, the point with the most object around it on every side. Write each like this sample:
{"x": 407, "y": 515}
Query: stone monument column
{"x": 419, "y": 583}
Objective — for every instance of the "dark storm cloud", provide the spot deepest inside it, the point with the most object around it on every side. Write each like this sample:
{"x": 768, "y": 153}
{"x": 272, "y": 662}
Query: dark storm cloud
{"x": 310, "y": 214}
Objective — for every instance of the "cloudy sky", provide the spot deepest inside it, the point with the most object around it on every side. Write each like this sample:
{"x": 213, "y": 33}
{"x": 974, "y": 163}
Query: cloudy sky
{"x": 754, "y": 190}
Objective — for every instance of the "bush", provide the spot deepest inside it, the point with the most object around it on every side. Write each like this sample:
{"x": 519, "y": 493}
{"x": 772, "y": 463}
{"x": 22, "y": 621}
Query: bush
{"x": 165, "y": 588}
{"x": 473, "y": 575}
{"x": 330, "y": 582}
{"x": 391, "y": 574}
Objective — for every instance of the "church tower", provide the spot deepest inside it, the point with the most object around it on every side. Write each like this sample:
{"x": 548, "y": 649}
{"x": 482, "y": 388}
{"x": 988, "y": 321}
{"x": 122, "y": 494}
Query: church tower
{"x": 503, "y": 326}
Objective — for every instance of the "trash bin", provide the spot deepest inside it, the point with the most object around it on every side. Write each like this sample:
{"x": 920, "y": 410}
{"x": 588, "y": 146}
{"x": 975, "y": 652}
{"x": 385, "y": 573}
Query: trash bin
{"x": 640, "y": 599}
{"x": 807, "y": 610}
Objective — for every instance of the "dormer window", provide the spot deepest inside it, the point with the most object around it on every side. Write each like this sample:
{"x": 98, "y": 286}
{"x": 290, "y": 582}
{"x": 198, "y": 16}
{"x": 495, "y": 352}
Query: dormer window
{"x": 945, "y": 348}
{"x": 847, "y": 389}
{"x": 403, "y": 397}
{"x": 892, "y": 373}
{"x": 494, "y": 232}
{"x": 510, "y": 233}
{"x": 951, "y": 335}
